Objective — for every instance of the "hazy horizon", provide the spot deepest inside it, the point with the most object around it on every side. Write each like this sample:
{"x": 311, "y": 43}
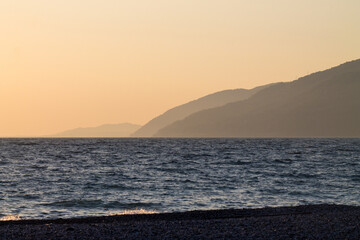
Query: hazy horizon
{"x": 68, "y": 64}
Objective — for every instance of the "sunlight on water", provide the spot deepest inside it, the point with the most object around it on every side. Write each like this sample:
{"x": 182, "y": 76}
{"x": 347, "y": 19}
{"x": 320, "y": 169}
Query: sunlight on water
{"x": 10, "y": 218}
{"x": 133, "y": 212}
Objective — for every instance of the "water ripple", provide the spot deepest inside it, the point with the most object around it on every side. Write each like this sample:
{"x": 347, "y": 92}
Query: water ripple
{"x": 52, "y": 178}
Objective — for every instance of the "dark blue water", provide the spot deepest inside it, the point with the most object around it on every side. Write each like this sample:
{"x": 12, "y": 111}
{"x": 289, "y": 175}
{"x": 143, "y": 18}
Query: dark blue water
{"x": 53, "y": 178}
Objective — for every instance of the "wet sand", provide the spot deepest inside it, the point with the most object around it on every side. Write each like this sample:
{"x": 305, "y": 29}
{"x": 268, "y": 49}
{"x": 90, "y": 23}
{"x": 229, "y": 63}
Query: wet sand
{"x": 302, "y": 222}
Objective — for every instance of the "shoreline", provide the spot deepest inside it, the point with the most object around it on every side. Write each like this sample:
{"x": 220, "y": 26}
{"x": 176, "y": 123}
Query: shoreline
{"x": 305, "y": 221}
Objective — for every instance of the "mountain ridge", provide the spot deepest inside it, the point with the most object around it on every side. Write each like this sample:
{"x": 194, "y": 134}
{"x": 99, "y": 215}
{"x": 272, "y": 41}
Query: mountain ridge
{"x": 316, "y": 105}
{"x": 105, "y": 130}
{"x": 182, "y": 111}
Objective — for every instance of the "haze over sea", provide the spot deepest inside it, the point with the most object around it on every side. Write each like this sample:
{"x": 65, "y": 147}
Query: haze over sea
{"x": 62, "y": 178}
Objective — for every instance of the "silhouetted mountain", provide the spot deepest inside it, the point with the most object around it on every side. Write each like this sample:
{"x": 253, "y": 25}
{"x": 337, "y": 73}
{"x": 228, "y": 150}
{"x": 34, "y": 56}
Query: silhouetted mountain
{"x": 323, "y": 104}
{"x": 180, "y": 112}
{"x": 107, "y": 130}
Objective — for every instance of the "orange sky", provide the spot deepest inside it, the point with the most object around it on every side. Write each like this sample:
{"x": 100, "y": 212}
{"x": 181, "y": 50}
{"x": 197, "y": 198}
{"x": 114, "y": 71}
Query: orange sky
{"x": 67, "y": 64}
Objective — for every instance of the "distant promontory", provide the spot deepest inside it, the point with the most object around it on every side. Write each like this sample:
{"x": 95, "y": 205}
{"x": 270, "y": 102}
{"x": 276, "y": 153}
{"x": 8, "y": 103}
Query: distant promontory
{"x": 322, "y": 104}
{"x": 106, "y": 130}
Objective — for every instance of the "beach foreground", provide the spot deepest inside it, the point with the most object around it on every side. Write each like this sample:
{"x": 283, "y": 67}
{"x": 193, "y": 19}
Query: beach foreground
{"x": 301, "y": 222}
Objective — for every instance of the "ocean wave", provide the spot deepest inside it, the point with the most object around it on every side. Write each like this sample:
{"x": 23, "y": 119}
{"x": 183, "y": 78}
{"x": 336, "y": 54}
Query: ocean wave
{"x": 117, "y": 187}
{"x": 78, "y": 203}
{"x": 127, "y": 206}
{"x": 133, "y": 212}
{"x": 10, "y": 218}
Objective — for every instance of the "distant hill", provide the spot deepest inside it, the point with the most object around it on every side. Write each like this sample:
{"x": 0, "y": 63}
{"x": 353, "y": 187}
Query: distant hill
{"x": 323, "y": 104}
{"x": 180, "y": 112}
{"x": 107, "y": 130}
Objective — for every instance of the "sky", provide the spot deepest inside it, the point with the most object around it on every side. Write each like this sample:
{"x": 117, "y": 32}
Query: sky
{"x": 66, "y": 64}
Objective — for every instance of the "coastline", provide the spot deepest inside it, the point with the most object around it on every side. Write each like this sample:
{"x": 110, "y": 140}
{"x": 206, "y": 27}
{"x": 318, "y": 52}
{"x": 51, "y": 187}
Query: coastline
{"x": 300, "y": 222}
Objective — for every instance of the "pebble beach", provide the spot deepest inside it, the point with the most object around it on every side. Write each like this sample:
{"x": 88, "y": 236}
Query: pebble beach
{"x": 300, "y": 222}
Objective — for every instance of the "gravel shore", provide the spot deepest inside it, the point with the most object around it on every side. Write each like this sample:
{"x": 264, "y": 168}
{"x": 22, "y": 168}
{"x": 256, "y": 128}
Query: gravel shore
{"x": 301, "y": 222}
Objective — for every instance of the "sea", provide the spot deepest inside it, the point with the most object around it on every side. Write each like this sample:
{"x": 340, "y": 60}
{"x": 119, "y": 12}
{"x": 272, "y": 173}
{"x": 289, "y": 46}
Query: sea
{"x": 64, "y": 178}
